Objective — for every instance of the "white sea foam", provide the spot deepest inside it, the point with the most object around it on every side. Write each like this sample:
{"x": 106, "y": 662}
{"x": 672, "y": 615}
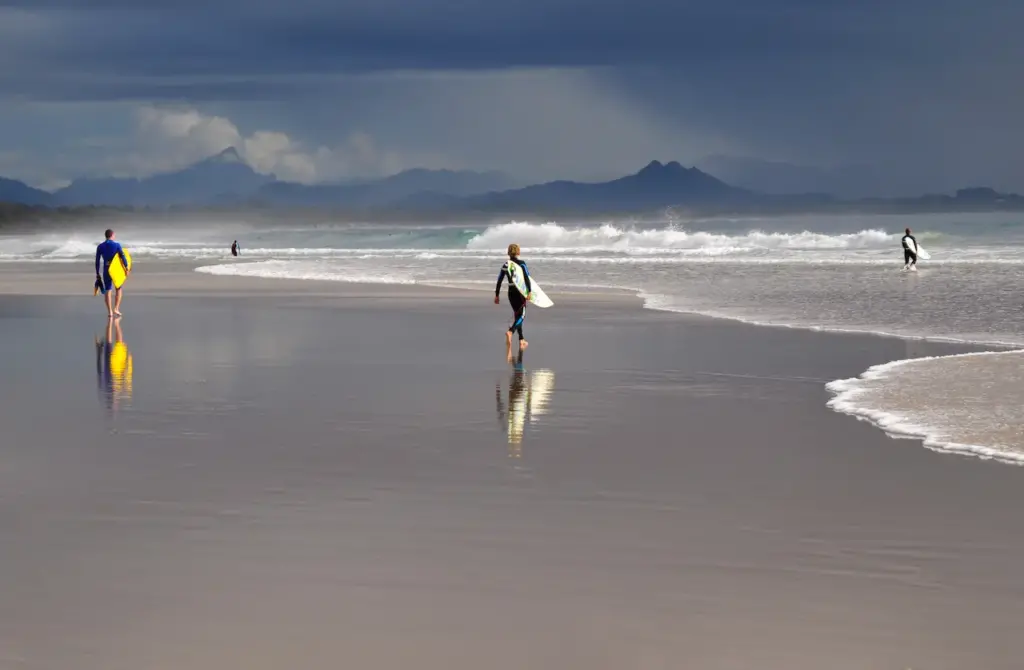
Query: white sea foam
{"x": 607, "y": 243}
{"x": 609, "y": 237}
{"x": 275, "y": 269}
{"x": 966, "y": 403}
{"x": 72, "y": 248}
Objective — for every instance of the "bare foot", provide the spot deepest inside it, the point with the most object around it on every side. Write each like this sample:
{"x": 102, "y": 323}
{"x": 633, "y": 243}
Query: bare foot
{"x": 110, "y": 315}
{"x": 523, "y": 344}
{"x": 116, "y": 314}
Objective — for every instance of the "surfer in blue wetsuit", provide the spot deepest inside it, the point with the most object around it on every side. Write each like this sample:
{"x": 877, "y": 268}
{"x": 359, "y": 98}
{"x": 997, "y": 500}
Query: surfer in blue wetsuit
{"x": 909, "y": 251}
{"x": 105, "y": 253}
{"x": 515, "y": 298}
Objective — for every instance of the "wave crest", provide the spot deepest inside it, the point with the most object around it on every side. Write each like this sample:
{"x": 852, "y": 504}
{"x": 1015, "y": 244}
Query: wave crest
{"x": 555, "y": 237}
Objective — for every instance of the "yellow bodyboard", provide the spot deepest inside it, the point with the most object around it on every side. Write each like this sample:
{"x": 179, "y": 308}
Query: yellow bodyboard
{"x": 118, "y": 272}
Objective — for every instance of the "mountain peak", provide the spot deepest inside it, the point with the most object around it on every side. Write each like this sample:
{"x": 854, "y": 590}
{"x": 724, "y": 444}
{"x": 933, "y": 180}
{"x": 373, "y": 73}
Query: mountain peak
{"x": 653, "y": 167}
{"x": 229, "y": 155}
{"x": 12, "y": 190}
{"x": 671, "y": 171}
{"x": 664, "y": 170}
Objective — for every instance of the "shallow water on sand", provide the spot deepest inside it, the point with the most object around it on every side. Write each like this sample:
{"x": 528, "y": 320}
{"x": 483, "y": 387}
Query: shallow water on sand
{"x": 278, "y": 485}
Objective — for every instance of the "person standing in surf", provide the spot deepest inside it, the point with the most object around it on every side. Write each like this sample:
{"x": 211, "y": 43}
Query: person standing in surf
{"x": 514, "y": 266}
{"x": 105, "y": 253}
{"x": 234, "y": 248}
{"x": 909, "y": 251}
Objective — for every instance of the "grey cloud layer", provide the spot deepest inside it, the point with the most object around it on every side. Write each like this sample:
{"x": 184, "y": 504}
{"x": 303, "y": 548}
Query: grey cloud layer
{"x": 308, "y": 36}
{"x": 924, "y": 86}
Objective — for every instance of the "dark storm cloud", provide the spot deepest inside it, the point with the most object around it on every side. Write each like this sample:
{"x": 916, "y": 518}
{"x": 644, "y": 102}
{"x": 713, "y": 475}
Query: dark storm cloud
{"x": 782, "y": 49}
{"x": 929, "y": 86}
{"x": 308, "y": 36}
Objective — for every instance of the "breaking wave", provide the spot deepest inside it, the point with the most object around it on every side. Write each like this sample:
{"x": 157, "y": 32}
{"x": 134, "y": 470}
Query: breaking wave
{"x": 548, "y": 237}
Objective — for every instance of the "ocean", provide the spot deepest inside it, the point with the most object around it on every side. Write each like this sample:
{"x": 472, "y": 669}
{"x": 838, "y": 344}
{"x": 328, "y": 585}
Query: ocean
{"x": 833, "y": 273}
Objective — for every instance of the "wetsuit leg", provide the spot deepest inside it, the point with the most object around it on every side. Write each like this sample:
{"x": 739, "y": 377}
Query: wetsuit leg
{"x": 108, "y": 281}
{"x": 909, "y": 257}
{"x": 518, "y": 303}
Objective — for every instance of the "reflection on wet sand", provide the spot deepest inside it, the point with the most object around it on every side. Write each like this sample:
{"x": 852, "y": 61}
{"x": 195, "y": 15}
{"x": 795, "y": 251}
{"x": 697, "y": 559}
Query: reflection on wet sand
{"x": 528, "y": 398}
{"x": 114, "y": 368}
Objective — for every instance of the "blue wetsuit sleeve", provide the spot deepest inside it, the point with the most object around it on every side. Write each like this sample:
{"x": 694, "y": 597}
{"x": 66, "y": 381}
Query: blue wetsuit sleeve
{"x": 98, "y": 254}
{"x": 526, "y": 277}
{"x": 501, "y": 278}
{"x": 120, "y": 252}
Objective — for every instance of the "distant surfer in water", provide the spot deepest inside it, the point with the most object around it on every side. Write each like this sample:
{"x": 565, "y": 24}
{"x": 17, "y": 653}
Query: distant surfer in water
{"x": 105, "y": 253}
{"x": 909, "y": 251}
{"x": 234, "y": 248}
{"x": 515, "y": 298}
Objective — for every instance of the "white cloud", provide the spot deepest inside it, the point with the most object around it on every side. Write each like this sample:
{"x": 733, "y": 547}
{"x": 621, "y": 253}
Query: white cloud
{"x": 169, "y": 138}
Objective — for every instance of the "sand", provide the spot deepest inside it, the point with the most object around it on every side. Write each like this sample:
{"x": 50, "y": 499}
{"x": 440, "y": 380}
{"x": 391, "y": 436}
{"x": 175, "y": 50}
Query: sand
{"x": 314, "y": 475}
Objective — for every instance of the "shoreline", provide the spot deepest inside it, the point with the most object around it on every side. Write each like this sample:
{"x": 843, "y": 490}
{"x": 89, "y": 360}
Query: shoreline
{"x": 841, "y": 391}
{"x": 185, "y": 278}
{"x": 845, "y": 392}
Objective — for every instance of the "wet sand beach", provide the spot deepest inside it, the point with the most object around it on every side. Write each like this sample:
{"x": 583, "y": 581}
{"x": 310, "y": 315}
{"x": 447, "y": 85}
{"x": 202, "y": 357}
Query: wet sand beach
{"x": 282, "y": 474}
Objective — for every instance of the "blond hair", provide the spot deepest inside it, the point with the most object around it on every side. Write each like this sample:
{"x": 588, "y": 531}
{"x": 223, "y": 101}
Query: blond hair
{"x": 513, "y": 250}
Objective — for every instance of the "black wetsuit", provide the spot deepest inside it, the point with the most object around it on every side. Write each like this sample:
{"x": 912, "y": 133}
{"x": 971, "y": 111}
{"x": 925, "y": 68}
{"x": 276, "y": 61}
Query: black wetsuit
{"x": 909, "y": 255}
{"x": 515, "y": 298}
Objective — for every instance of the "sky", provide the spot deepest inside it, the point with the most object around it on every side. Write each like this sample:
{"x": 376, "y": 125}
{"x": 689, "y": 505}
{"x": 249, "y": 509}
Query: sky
{"x": 928, "y": 92}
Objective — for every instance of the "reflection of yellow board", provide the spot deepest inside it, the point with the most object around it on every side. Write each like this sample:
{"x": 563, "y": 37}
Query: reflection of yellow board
{"x": 121, "y": 369}
{"x": 118, "y": 272}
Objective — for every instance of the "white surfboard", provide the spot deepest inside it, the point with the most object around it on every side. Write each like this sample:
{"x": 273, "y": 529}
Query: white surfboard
{"x": 919, "y": 250}
{"x": 537, "y": 295}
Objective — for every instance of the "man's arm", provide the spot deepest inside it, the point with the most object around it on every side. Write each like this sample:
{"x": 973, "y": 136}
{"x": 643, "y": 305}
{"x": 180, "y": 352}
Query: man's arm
{"x": 120, "y": 252}
{"x": 98, "y": 256}
{"x": 501, "y": 278}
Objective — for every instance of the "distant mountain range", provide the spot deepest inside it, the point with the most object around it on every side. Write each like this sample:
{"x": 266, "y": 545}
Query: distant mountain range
{"x": 227, "y": 181}
{"x": 656, "y": 185}
{"x": 14, "y": 191}
{"x": 403, "y": 187}
{"x": 216, "y": 179}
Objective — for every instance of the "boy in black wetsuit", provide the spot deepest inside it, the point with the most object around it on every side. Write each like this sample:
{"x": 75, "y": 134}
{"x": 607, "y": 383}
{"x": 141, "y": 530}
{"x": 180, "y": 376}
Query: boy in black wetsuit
{"x": 518, "y": 301}
{"x": 909, "y": 252}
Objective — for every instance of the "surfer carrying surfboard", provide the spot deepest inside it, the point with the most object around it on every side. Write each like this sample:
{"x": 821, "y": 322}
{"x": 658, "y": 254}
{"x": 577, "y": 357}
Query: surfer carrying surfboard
{"x": 518, "y": 279}
{"x": 106, "y": 252}
{"x": 909, "y": 251}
